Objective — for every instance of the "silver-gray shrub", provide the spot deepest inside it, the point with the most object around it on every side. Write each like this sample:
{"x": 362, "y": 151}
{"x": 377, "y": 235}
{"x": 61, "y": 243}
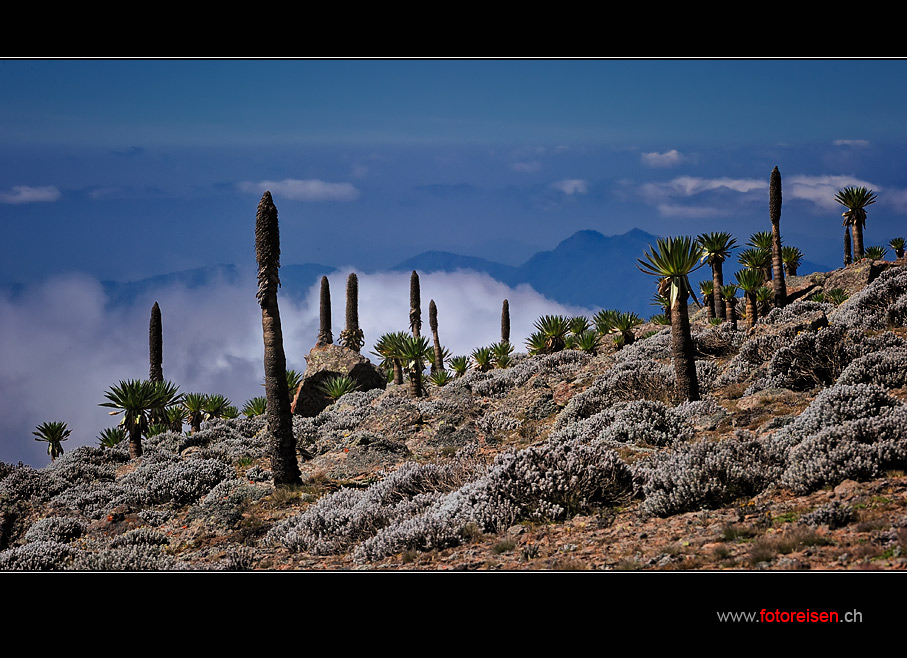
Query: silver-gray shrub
{"x": 497, "y": 421}
{"x": 860, "y": 449}
{"x": 705, "y": 474}
{"x": 496, "y": 383}
{"x": 897, "y": 312}
{"x": 168, "y": 479}
{"x": 350, "y": 515}
{"x": 811, "y": 359}
{"x": 754, "y": 355}
{"x": 657, "y": 346}
{"x": 798, "y": 313}
{"x": 868, "y": 309}
{"x": 543, "y": 483}
{"x": 645, "y": 423}
{"x": 833, "y": 407}
{"x": 29, "y": 484}
{"x": 135, "y": 557}
{"x": 818, "y": 358}
{"x": 43, "y": 555}
{"x": 626, "y": 381}
{"x": 143, "y": 536}
{"x": 61, "y": 529}
{"x": 835, "y": 515}
{"x": 887, "y": 368}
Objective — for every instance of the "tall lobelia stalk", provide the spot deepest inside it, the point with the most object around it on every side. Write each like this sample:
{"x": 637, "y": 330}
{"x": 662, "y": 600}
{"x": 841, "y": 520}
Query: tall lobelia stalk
{"x": 438, "y": 363}
{"x": 280, "y": 420}
{"x": 415, "y": 305}
{"x": 505, "y": 322}
{"x": 156, "y": 345}
{"x": 352, "y": 337}
{"x": 325, "y": 337}
{"x": 779, "y": 287}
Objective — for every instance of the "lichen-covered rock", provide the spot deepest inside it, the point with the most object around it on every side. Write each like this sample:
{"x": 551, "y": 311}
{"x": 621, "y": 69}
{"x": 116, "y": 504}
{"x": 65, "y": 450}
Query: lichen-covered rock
{"x": 328, "y": 361}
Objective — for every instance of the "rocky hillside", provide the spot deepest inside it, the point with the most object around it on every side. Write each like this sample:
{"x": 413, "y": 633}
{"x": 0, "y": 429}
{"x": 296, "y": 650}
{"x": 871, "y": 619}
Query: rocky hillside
{"x": 795, "y": 458}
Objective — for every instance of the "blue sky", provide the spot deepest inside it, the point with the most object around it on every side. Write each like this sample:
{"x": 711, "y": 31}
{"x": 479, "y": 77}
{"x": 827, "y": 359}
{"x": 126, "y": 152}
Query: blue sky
{"x": 126, "y": 169}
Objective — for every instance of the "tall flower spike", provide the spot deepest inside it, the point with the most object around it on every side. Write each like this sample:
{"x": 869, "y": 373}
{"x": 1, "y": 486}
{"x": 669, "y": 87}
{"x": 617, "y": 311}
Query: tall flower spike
{"x": 280, "y": 419}
{"x": 325, "y": 337}
{"x": 156, "y": 345}
{"x": 415, "y": 305}
{"x": 267, "y": 248}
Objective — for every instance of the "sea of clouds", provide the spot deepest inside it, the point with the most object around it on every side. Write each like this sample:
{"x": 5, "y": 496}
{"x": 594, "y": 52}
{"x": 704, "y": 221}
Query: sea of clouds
{"x": 63, "y": 344}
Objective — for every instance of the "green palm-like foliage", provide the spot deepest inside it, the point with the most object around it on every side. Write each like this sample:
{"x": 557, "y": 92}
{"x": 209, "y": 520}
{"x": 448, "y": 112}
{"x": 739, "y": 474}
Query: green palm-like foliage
{"x": 501, "y": 352}
{"x": 388, "y": 347}
{"x": 194, "y": 410}
{"x": 138, "y": 400}
{"x": 661, "y": 319}
{"x": 716, "y": 248}
{"x": 459, "y": 365}
{"x": 230, "y": 412}
{"x": 110, "y": 437}
{"x": 761, "y": 240}
{"x": 578, "y": 324}
{"x": 875, "y": 252}
{"x": 554, "y": 329}
{"x": 54, "y": 433}
{"x": 157, "y": 428}
{"x": 535, "y": 343}
{"x": 749, "y": 281}
{"x": 673, "y": 260}
{"x": 764, "y": 298}
{"x": 898, "y": 245}
{"x": 256, "y": 406}
{"x": 483, "y": 359}
{"x": 791, "y": 257}
{"x": 855, "y": 199}
{"x": 623, "y": 325}
{"x": 293, "y": 380}
{"x": 604, "y": 321}
{"x": 338, "y": 386}
{"x": 587, "y": 341}
{"x": 836, "y": 296}
{"x": 729, "y": 297}
{"x": 216, "y": 405}
{"x": 440, "y": 377}
{"x": 412, "y": 356}
{"x": 175, "y": 418}
{"x": 756, "y": 259}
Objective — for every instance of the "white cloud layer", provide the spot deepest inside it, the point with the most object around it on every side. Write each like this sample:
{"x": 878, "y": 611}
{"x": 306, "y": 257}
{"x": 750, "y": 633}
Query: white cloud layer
{"x": 527, "y": 167}
{"x": 27, "y": 194}
{"x": 821, "y": 190}
{"x": 571, "y": 186}
{"x": 303, "y": 190}
{"x": 669, "y": 159}
{"x": 856, "y": 143}
{"x": 687, "y": 186}
{"x": 62, "y": 346}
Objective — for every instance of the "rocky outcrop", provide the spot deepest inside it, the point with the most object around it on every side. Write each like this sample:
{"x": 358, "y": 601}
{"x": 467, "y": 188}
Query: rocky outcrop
{"x": 328, "y": 361}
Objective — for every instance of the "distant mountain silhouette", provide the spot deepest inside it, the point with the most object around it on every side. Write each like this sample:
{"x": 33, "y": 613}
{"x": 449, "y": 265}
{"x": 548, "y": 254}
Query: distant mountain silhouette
{"x": 125, "y": 292}
{"x": 295, "y": 281}
{"x": 444, "y": 261}
{"x": 587, "y": 269}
